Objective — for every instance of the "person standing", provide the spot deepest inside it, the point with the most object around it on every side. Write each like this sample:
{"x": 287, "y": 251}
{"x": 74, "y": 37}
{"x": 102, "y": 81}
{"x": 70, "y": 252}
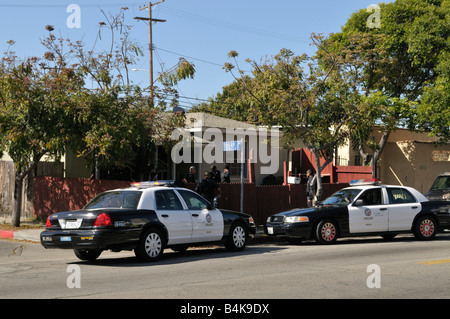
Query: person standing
{"x": 190, "y": 178}
{"x": 226, "y": 174}
{"x": 215, "y": 174}
{"x": 207, "y": 187}
{"x": 310, "y": 188}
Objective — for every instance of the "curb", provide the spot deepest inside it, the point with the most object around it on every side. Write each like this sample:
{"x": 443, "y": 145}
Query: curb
{"x": 32, "y": 235}
{"x": 6, "y": 234}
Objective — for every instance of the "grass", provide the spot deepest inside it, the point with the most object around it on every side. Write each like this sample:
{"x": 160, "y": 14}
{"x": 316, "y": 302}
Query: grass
{"x": 24, "y": 225}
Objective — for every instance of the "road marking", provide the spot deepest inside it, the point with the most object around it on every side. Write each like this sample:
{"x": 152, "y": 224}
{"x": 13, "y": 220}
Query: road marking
{"x": 435, "y": 262}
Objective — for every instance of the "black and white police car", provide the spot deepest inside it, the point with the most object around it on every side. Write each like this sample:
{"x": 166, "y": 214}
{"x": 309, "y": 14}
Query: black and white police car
{"x": 147, "y": 218}
{"x": 365, "y": 208}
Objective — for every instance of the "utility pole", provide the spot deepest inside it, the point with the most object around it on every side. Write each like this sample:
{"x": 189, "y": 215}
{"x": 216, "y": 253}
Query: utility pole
{"x": 150, "y": 41}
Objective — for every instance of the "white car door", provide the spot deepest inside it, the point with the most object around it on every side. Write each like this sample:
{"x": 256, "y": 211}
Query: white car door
{"x": 403, "y": 208}
{"x": 372, "y": 215}
{"x": 177, "y": 220}
{"x": 207, "y": 224}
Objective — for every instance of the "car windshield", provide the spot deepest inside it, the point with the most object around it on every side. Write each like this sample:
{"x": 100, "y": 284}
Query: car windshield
{"x": 115, "y": 199}
{"x": 342, "y": 197}
{"x": 441, "y": 183}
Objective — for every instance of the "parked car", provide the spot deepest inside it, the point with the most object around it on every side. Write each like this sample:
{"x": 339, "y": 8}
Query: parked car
{"x": 147, "y": 218}
{"x": 440, "y": 190}
{"x": 365, "y": 208}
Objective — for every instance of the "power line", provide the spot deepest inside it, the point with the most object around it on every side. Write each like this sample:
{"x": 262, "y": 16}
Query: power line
{"x": 189, "y": 57}
{"x": 64, "y": 5}
{"x": 227, "y": 25}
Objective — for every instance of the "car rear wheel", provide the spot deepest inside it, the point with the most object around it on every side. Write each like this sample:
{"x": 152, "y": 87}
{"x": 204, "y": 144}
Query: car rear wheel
{"x": 326, "y": 232}
{"x": 425, "y": 228}
{"x": 87, "y": 254}
{"x": 151, "y": 245}
{"x": 237, "y": 239}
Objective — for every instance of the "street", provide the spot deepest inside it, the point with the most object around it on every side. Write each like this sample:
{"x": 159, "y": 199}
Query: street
{"x": 353, "y": 268}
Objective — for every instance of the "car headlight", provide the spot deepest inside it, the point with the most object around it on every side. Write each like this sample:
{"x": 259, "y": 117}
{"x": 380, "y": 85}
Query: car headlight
{"x": 296, "y": 219}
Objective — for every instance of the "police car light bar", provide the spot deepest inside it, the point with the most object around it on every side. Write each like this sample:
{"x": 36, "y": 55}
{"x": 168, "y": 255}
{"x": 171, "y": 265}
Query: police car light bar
{"x": 367, "y": 181}
{"x": 152, "y": 183}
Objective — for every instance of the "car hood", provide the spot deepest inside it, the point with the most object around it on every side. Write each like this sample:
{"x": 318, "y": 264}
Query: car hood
{"x": 305, "y": 211}
{"x": 438, "y": 194}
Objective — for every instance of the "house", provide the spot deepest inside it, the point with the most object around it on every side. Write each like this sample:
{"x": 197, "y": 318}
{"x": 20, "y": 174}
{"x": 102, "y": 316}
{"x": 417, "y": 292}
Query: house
{"x": 216, "y": 141}
{"x": 409, "y": 158}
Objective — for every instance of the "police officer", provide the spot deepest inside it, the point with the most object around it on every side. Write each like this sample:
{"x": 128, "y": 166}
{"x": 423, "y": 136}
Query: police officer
{"x": 207, "y": 187}
{"x": 215, "y": 174}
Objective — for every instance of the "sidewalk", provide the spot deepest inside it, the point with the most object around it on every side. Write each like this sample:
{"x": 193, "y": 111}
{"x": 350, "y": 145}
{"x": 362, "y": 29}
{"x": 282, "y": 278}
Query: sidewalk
{"x": 30, "y": 234}
{"x": 33, "y": 234}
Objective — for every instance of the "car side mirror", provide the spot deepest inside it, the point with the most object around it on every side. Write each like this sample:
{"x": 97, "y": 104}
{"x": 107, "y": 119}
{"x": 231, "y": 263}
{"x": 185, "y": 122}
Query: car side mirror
{"x": 359, "y": 202}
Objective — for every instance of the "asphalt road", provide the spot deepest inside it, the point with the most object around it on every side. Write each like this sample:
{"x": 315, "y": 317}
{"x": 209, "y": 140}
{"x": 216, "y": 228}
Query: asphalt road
{"x": 353, "y": 268}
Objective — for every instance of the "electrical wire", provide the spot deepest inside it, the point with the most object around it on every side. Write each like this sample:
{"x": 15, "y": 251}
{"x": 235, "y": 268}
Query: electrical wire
{"x": 231, "y": 26}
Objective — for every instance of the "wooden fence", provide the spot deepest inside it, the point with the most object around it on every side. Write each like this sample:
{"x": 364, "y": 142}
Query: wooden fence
{"x": 54, "y": 194}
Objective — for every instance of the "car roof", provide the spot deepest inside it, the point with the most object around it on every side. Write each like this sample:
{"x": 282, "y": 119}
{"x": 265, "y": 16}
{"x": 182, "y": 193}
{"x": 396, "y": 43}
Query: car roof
{"x": 419, "y": 196}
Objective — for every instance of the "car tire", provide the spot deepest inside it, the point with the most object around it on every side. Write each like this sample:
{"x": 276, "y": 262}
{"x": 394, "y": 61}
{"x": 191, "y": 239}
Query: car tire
{"x": 425, "y": 228}
{"x": 237, "y": 238}
{"x": 87, "y": 254}
{"x": 151, "y": 245}
{"x": 326, "y": 232}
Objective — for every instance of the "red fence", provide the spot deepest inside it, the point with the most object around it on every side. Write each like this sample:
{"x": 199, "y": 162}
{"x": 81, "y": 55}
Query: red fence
{"x": 303, "y": 159}
{"x": 54, "y": 194}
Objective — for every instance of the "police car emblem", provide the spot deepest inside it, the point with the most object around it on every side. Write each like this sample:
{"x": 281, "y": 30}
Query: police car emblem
{"x": 367, "y": 212}
{"x": 208, "y": 220}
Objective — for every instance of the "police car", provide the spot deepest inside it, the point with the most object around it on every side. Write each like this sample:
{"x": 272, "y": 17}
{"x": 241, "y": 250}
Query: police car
{"x": 147, "y": 218}
{"x": 365, "y": 208}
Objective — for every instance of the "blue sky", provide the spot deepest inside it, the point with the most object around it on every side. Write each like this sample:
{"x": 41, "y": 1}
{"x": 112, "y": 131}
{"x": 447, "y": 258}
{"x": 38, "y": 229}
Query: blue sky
{"x": 203, "y": 31}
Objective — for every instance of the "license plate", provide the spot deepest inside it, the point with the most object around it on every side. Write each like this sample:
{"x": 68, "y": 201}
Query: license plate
{"x": 270, "y": 230}
{"x": 66, "y": 238}
{"x": 72, "y": 223}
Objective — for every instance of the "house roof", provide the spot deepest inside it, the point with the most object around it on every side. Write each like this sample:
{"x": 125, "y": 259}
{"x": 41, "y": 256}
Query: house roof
{"x": 205, "y": 120}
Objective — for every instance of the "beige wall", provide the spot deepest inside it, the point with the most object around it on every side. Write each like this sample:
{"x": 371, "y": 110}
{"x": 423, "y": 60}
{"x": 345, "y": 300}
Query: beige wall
{"x": 411, "y": 163}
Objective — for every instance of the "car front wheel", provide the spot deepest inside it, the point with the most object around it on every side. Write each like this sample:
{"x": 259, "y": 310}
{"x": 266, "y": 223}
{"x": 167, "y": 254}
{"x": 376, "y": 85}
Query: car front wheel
{"x": 326, "y": 232}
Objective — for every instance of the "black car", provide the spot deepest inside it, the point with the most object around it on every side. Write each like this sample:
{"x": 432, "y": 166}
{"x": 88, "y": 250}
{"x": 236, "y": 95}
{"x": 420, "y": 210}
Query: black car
{"x": 367, "y": 208}
{"x": 147, "y": 218}
{"x": 440, "y": 190}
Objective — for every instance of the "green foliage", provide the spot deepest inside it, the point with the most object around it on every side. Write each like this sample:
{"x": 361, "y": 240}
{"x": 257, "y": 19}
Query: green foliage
{"x": 399, "y": 68}
{"x": 46, "y": 107}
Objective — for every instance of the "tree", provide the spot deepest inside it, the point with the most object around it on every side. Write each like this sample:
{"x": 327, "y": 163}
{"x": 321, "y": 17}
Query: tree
{"x": 310, "y": 104}
{"x": 35, "y": 113}
{"x": 400, "y": 66}
{"x": 46, "y": 107}
{"x": 231, "y": 102}
{"x": 117, "y": 121}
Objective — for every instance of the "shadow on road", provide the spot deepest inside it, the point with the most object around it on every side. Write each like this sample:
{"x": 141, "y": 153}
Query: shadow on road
{"x": 192, "y": 254}
{"x": 367, "y": 240}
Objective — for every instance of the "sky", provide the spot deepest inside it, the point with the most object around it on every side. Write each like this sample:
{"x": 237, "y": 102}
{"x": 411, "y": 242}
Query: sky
{"x": 201, "y": 31}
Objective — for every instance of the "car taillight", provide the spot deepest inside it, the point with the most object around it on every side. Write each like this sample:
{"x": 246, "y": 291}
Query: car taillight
{"x": 48, "y": 224}
{"x": 103, "y": 220}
